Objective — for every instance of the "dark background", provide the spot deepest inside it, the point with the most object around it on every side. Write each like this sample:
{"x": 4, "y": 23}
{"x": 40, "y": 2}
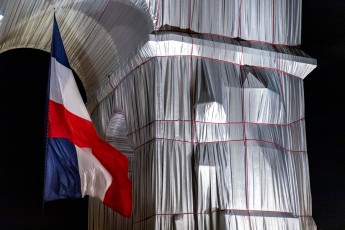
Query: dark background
{"x": 323, "y": 37}
{"x": 23, "y": 84}
{"x": 24, "y": 74}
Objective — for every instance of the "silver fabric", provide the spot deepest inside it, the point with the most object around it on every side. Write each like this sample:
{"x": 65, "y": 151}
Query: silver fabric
{"x": 217, "y": 144}
{"x": 271, "y": 21}
{"x": 288, "y": 60}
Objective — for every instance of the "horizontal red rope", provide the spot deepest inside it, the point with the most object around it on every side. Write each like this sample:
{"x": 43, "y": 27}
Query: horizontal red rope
{"x": 215, "y": 123}
{"x": 221, "y": 210}
{"x": 220, "y": 141}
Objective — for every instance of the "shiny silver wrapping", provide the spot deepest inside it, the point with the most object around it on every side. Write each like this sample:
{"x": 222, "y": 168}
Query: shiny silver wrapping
{"x": 217, "y": 131}
{"x": 271, "y": 21}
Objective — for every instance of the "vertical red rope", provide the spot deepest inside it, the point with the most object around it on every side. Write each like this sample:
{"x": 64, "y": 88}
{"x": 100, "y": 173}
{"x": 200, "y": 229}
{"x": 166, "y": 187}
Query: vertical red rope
{"x": 157, "y": 14}
{"x": 189, "y": 13}
{"x": 280, "y": 75}
{"x": 272, "y": 21}
{"x": 192, "y": 92}
{"x": 245, "y": 138}
{"x": 239, "y": 20}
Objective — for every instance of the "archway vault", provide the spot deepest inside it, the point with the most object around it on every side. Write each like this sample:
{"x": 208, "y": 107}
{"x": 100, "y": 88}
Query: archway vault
{"x": 97, "y": 34}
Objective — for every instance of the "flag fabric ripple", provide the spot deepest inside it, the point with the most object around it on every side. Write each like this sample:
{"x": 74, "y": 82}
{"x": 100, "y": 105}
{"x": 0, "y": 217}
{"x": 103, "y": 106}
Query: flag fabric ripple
{"x": 78, "y": 161}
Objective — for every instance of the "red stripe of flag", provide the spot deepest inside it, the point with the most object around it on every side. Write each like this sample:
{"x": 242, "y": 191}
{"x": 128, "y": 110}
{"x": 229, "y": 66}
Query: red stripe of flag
{"x": 81, "y": 132}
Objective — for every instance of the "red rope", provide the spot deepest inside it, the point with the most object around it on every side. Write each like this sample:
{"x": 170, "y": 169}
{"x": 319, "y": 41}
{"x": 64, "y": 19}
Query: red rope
{"x": 239, "y": 20}
{"x": 272, "y": 21}
{"x": 215, "y": 123}
{"x": 221, "y": 210}
{"x": 189, "y": 13}
{"x": 245, "y": 138}
{"x": 279, "y": 75}
{"x": 192, "y": 90}
{"x": 158, "y": 12}
{"x": 221, "y": 141}
{"x": 246, "y": 40}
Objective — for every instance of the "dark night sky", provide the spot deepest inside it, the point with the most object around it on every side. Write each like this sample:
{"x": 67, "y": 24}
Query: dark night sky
{"x": 323, "y": 37}
{"x": 22, "y": 93}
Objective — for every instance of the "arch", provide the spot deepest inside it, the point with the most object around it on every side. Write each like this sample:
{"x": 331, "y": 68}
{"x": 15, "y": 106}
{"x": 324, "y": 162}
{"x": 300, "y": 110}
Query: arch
{"x": 90, "y": 30}
{"x": 116, "y": 134}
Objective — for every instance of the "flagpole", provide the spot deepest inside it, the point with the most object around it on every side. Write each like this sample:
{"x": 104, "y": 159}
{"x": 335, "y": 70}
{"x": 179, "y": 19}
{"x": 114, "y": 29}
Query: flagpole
{"x": 46, "y": 116}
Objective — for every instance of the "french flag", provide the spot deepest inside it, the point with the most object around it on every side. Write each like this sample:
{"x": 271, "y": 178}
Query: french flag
{"x": 78, "y": 161}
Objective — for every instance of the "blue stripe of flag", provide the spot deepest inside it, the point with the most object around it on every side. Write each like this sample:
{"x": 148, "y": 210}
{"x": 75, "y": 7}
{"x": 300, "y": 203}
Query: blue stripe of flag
{"x": 57, "y": 48}
{"x": 62, "y": 173}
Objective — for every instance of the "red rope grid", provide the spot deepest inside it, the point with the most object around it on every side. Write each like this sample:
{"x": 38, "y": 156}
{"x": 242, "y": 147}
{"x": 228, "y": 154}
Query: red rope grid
{"x": 245, "y": 140}
{"x": 194, "y": 121}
